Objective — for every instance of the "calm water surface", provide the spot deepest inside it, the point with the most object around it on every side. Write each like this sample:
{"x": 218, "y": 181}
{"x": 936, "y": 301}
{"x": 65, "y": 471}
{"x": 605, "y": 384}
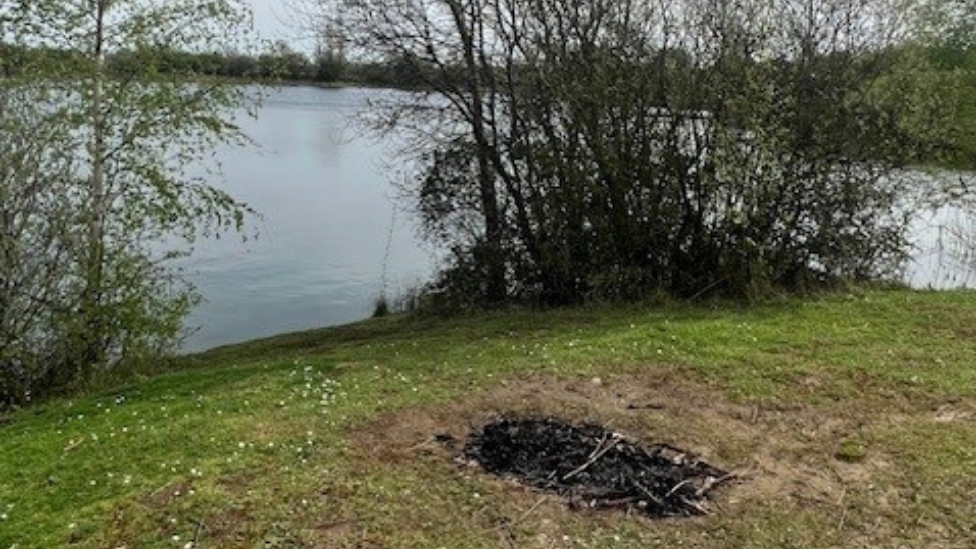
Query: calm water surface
{"x": 324, "y": 194}
{"x": 943, "y": 255}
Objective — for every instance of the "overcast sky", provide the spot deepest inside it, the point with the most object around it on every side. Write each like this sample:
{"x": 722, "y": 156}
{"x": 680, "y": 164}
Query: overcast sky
{"x": 270, "y": 18}
{"x": 273, "y": 21}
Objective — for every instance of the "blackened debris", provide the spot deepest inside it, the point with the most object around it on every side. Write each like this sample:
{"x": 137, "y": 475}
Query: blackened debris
{"x": 596, "y": 467}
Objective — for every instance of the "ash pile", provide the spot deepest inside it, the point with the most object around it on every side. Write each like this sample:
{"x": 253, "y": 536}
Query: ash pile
{"x": 597, "y": 468}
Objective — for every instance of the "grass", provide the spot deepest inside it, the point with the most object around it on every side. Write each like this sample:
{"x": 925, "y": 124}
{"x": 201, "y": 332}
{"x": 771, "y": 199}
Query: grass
{"x": 851, "y": 418}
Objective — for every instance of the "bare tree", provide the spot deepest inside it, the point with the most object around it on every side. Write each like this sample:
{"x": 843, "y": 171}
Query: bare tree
{"x": 618, "y": 147}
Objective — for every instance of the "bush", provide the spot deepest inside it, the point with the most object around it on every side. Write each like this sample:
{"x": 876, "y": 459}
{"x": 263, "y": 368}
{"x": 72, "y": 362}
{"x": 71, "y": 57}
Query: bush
{"x": 381, "y": 306}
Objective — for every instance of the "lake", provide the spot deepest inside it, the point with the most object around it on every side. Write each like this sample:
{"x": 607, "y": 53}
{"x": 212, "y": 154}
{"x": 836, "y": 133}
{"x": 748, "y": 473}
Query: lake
{"x": 942, "y": 257}
{"x": 324, "y": 192}
{"x": 325, "y": 198}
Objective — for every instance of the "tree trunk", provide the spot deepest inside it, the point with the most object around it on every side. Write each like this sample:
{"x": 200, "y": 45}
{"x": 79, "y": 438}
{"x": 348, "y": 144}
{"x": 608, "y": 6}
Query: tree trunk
{"x": 496, "y": 289}
{"x": 92, "y": 347}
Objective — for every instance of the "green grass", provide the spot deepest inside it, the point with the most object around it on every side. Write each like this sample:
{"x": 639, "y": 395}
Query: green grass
{"x": 255, "y": 445}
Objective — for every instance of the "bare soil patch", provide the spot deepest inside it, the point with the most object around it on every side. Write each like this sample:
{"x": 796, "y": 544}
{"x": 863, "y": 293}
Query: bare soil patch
{"x": 814, "y": 458}
{"x": 780, "y": 452}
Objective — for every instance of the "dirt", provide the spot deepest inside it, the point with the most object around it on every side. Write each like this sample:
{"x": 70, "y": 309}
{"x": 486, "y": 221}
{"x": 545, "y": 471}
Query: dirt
{"x": 782, "y": 452}
{"x": 166, "y": 496}
{"x": 769, "y": 449}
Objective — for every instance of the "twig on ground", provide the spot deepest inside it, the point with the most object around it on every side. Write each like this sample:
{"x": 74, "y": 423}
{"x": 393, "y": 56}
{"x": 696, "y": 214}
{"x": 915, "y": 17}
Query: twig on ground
{"x": 696, "y": 506}
{"x": 423, "y": 444}
{"x": 843, "y": 510}
{"x": 710, "y": 484}
{"x": 677, "y": 487}
{"x": 649, "y": 494}
{"x": 531, "y": 510}
{"x": 595, "y": 457}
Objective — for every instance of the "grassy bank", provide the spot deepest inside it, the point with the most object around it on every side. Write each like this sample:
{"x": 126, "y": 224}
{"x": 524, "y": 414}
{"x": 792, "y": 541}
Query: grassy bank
{"x": 850, "y": 419}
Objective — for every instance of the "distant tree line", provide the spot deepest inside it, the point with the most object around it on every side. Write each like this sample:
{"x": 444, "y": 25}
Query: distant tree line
{"x": 279, "y": 64}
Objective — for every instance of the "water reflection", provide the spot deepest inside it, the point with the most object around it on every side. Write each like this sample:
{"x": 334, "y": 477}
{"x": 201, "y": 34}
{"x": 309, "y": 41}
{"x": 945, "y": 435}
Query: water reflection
{"x": 325, "y": 196}
{"x": 327, "y": 213}
{"x": 942, "y": 256}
